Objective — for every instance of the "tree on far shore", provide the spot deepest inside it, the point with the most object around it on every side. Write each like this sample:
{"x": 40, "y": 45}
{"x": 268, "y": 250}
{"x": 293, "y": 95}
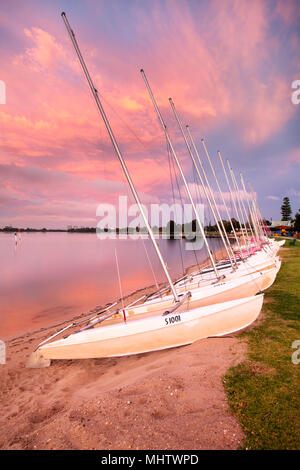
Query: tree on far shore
{"x": 297, "y": 221}
{"x": 286, "y": 211}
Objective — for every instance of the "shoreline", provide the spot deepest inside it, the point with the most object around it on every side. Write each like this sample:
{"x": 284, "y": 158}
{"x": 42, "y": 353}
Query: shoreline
{"x": 131, "y": 297}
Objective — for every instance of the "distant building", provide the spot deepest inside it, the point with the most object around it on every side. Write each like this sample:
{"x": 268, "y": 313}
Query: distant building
{"x": 281, "y": 227}
{"x": 281, "y": 223}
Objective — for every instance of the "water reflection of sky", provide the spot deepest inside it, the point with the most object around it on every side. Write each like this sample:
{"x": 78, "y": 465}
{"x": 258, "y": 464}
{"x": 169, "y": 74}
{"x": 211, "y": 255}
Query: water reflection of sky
{"x": 49, "y": 277}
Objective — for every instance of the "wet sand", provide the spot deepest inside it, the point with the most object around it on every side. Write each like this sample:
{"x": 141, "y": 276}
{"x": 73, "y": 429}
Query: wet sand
{"x": 171, "y": 399}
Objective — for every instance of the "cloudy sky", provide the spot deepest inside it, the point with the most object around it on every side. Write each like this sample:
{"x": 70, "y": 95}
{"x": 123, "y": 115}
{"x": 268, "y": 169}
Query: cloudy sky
{"x": 228, "y": 65}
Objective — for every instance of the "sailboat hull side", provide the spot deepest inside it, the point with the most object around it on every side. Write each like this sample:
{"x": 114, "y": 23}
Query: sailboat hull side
{"x": 268, "y": 278}
{"x": 244, "y": 271}
{"x": 216, "y": 293}
{"x": 144, "y": 336}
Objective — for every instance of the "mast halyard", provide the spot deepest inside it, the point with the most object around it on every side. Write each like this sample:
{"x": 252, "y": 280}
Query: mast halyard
{"x": 118, "y": 152}
{"x": 180, "y": 170}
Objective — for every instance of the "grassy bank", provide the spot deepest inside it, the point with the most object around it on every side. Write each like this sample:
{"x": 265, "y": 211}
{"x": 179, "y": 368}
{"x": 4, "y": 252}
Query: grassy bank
{"x": 264, "y": 390}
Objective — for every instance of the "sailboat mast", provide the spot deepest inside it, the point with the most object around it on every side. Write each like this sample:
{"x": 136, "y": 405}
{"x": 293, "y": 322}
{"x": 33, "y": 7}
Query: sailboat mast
{"x": 255, "y": 214}
{"x": 118, "y": 153}
{"x": 249, "y": 208}
{"x": 220, "y": 192}
{"x": 233, "y": 200}
{"x": 259, "y": 216}
{"x": 199, "y": 176}
{"x": 243, "y": 207}
{"x": 223, "y": 200}
{"x": 239, "y": 202}
{"x": 259, "y": 219}
{"x": 260, "y": 224}
{"x": 180, "y": 170}
{"x": 209, "y": 190}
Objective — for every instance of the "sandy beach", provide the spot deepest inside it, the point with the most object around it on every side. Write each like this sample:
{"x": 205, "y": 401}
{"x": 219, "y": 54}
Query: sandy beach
{"x": 170, "y": 399}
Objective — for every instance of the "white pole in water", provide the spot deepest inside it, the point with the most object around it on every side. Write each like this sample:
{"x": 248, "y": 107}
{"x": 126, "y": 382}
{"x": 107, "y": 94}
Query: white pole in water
{"x": 200, "y": 177}
{"x": 180, "y": 170}
{"x": 233, "y": 201}
{"x": 118, "y": 152}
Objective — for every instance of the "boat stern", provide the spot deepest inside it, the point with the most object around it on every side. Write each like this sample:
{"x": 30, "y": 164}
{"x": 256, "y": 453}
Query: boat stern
{"x": 36, "y": 360}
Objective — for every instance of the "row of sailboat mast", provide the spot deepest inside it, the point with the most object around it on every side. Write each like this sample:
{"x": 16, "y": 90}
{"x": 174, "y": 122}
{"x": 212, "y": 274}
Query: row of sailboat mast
{"x": 241, "y": 213}
{"x": 164, "y": 127}
{"x": 199, "y": 176}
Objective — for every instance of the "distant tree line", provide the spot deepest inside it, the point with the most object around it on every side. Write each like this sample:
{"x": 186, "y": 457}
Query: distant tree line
{"x": 9, "y": 228}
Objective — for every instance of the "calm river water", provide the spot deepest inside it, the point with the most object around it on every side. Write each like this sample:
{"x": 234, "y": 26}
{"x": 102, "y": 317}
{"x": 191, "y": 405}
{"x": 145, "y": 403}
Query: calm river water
{"x": 46, "y": 278}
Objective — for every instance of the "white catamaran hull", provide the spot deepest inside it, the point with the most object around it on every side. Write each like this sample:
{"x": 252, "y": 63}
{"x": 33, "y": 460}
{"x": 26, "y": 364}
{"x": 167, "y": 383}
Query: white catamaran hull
{"x": 243, "y": 286}
{"x": 268, "y": 271}
{"x": 256, "y": 263}
{"x": 275, "y": 245}
{"x": 152, "y": 333}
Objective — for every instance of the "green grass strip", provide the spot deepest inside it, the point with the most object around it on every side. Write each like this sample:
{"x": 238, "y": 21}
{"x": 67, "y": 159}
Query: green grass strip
{"x": 264, "y": 390}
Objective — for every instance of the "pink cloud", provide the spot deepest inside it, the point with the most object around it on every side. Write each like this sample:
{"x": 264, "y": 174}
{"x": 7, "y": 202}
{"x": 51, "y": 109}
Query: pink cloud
{"x": 288, "y": 11}
{"x": 270, "y": 111}
{"x": 219, "y": 69}
{"x": 217, "y": 91}
{"x": 293, "y": 157}
{"x": 46, "y": 50}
